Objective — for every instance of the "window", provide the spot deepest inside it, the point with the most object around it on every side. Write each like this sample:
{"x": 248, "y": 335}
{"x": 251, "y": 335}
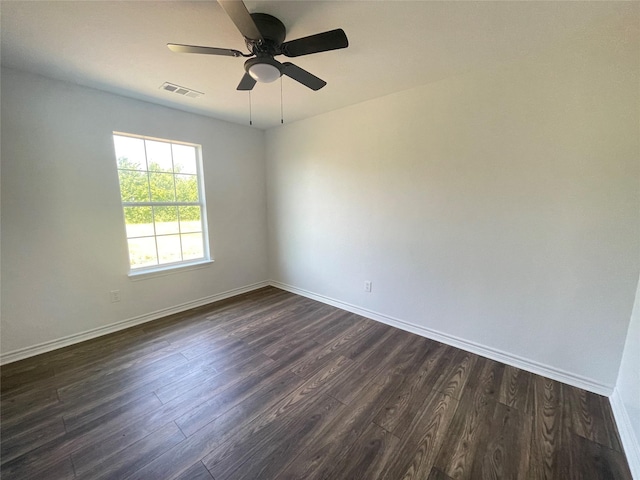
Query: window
{"x": 163, "y": 201}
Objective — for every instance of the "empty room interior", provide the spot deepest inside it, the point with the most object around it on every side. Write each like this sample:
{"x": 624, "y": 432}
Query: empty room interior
{"x": 320, "y": 240}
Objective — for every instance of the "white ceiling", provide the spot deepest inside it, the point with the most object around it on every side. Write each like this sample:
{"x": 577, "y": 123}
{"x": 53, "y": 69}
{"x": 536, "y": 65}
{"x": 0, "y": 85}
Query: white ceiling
{"x": 120, "y": 46}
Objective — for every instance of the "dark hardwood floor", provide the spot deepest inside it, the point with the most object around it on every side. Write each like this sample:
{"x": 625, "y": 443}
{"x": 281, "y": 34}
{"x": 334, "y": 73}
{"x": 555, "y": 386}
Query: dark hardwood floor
{"x": 272, "y": 385}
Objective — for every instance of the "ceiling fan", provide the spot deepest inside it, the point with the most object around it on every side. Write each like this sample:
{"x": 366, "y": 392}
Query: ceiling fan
{"x": 264, "y": 36}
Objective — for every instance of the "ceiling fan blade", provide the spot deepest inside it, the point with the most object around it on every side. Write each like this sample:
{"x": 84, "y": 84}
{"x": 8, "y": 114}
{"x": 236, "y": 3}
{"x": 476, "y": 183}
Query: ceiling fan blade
{"x": 247, "y": 82}
{"x": 241, "y": 17}
{"x": 227, "y": 52}
{"x": 320, "y": 42}
{"x": 302, "y": 76}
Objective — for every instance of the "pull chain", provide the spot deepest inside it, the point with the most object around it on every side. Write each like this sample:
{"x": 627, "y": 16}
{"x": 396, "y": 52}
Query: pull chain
{"x": 281, "y": 115}
{"x": 250, "y": 119}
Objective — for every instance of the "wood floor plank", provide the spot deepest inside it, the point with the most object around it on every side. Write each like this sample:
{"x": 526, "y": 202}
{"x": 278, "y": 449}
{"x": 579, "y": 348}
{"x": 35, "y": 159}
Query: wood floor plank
{"x": 438, "y": 475}
{"x": 424, "y": 438}
{"x": 486, "y": 378}
{"x": 400, "y": 410}
{"x": 82, "y": 369}
{"x": 117, "y": 436}
{"x": 271, "y": 385}
{"x": 368, "y": 456}
{"x": 515, "y": 389}
{"x": 17, "y": 443}
{"x": 98, "y": 404}
{"x": 228, "y": 319}
{"x": 59, "y": 470}
{"x": 588, "y": 417}
{"x": 88, "y": 456}
{"x": 233, "y": 453}
{"x": 297, "y": 346}
{"x": 95, "y": 385}
{"x": 87, "y": 405}
{"x": 346, "y": 320}
{"x": 91, "y": 405}
{"x": 267, "y": 379}
{"x": 371, "y": 337}
{"x": 454, "y": 378}
{"x": 413, "y": 351}
{"x": 206, "y": 375}
{"x": 229, "y": 310}
{"x": 328, "y": 448}
{"x": 591, "y": 461}
{"x": 29, "y": 376}
{"x": 281, "y": 327}
{"x": 135, "y": 457}
{"x": 102, "y": 350}
{"x": 19, "y": 425}
{"x": 505, "y": 453}
{"x": 351, "y": 335}
{"x": 318, "y": 357}
{"x": 231, "y": 423}
{"x": 547, "y": 457}
{"x": 41, "y": 457}
{"x": 213, "y": 345}
{"x": 243, "y": 323}
{"x": 272, "y": 316}
{"x": 267, "y": 451}
{"x": 32, "y": 368}
{"x": 365, "y": 369}
{"x": 329, "y": 322}
{"x": 17, "y": 407}
{"x": 196, "y": 472}
{"x": 471, "y": 425}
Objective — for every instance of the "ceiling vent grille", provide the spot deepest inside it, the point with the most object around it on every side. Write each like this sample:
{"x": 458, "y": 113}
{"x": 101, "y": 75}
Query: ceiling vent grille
{"x": 178, "y": 90}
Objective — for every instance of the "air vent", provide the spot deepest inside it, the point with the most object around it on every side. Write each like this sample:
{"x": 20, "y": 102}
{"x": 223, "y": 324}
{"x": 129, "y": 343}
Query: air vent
{"x": 178, "y": 90}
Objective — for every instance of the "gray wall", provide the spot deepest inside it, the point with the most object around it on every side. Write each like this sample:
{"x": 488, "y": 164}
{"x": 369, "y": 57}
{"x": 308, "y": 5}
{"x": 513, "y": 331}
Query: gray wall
{"x": 499, "y": 207}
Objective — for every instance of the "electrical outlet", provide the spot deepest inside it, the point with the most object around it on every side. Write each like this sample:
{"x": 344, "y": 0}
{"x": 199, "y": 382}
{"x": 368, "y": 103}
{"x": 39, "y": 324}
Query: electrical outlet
{"x": 114, "y": 296}
{"x": 367, "y": 286}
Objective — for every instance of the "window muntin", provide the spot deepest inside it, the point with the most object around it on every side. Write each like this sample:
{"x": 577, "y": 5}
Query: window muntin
{"x": 162, "y": 200}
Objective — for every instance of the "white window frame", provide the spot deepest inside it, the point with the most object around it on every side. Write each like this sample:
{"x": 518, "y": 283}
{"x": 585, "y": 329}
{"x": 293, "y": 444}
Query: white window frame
{"x": 165, "y": 268}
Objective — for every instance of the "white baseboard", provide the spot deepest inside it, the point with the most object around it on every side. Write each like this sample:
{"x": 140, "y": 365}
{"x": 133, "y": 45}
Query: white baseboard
{"x": 494, "y": 354}
{"x": 23, "y": 353}
{"x": 630, "y": 442}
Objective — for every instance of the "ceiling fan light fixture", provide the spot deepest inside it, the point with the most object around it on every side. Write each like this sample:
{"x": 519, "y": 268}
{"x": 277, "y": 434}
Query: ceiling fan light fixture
{"x": 264, "y": 72}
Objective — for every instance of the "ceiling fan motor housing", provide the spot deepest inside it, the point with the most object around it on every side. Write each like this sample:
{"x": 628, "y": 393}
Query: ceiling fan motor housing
{"x": 273, "y": 32}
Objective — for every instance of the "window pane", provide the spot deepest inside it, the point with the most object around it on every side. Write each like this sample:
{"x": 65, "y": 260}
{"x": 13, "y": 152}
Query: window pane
{"x": 192, "y": 246}
{"x": 134, "y": 186}
{"x": 190, "y": 219}
{"x": 155, "y": 177}
{"x": 130, "y": 152}
{"x": 184, "y": 159}
{"x": 159, "y": 156}
{"x": 166, "y": 220}
{"x": 169, "y": 249}
{"x": 187, "y": 188}
{"x": 139, "y": 221}
{"x": 142, "y": 252}
{"x": 162, "y": 188}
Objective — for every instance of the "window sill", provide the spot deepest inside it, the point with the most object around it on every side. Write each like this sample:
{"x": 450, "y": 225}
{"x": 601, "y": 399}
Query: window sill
{"x": 167, "y": 270}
